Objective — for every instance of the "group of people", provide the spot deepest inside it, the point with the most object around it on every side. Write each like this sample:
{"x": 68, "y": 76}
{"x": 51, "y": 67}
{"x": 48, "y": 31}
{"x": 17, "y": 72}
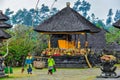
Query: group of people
{"x": 29, "y": 61}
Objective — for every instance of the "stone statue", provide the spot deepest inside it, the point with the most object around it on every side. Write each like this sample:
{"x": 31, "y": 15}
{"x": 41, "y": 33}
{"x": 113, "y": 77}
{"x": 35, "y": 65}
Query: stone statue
{"x": 1, "y": 65}
{"x": 108, "y": 68}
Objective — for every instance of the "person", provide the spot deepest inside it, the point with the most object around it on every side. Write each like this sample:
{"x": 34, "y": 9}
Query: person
{"x": 51, "y": 65}
{"x": 28, "y": 62}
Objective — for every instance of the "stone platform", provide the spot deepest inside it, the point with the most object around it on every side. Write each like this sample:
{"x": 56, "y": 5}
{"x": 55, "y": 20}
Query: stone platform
{"x": 117, "y": 77}
{"x": 107, "y": 79}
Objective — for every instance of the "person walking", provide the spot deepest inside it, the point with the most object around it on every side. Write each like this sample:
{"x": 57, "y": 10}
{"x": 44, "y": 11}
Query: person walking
{"x": 28, "y": 62}
{"x": 51, "y": 64}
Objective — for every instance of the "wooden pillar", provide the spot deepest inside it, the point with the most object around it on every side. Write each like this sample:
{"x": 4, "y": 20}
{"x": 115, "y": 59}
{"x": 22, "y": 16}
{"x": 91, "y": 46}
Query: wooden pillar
{"x": 86, "y": 41}
{"x": 79, "y": 45}
{"x": 75, "y": 42}
{"x": 67, "y": 42}
{"x": 49, "y": 43}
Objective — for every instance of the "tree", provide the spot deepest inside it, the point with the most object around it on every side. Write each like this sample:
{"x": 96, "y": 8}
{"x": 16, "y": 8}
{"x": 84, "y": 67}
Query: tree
{"x": 82, "y": 6}
{"x": 85, "y": 7}
{"x": 109, "y": 19}
{"x": 31, "y": 17}
{"x": 53, "y": 11}
{"x": 93, "y": 19}
{"x": 40, "y": 14}
{"x": 44, "y": 9}
{"x": 23, "y": 40}
{"x": 36, "y": 19}
{"x": 88, "y": 18}
{"x": 18, "y": 17}
{"x": 9, "y": 13}
{"x": 27, "y": 18}
{"x": 113, "y": 35}
{"x": 117, "y": 15}
{"x": 76, "y": 5}
{"x": 96, "y": 21}
{"x": 100, "y": 24}
{"x": 23, "y": 17}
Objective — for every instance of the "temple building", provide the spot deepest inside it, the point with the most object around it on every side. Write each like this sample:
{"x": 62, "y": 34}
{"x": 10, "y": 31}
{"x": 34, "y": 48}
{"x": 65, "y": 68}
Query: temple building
{"x": 68, "y": 29}
{"x": 70, "y": 36}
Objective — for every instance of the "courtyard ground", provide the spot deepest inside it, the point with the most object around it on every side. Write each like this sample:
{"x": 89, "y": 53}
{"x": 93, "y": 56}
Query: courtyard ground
{"x": 61, "y": 74}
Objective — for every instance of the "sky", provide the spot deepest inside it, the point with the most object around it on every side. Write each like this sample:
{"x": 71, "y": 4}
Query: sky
{"x": 99, "y": 7}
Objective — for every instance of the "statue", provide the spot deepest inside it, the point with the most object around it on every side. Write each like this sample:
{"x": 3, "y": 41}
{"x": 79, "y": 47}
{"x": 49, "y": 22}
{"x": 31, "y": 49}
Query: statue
{"x": 107, "y": 67}
{"x": 2, "y": 66}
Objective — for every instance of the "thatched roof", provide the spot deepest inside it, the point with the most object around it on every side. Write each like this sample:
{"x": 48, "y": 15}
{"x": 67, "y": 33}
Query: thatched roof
{"x": 66, "y": 21}
{"x": 3, "y": 17}
{"x": 4, "y": 35}
{"x": 5, "y": 25}
{"x": 113, "y": 47}
{"x": 117, "y": 24}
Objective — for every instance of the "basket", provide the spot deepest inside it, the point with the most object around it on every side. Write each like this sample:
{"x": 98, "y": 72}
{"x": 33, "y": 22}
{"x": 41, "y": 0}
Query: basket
{"x": 39, "y": 64}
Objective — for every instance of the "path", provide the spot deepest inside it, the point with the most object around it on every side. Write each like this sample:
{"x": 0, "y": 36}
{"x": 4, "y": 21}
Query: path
{"x": 63, "y": 74}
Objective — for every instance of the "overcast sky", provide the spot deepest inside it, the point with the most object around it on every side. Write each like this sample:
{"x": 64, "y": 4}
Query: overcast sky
{"x": 98, "y": 7}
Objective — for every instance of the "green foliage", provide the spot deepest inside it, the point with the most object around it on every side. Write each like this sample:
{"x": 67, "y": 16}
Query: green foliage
{"x": 24, "y": 39}
{"x": 82, "y": 6}
{"x": 113, "y": 35}
{"x": 109, "y": 19}
{"x": 117, "y": 15}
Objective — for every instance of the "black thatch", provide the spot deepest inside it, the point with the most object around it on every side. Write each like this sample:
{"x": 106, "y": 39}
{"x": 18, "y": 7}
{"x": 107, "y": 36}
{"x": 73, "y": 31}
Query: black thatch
{"x": 4, "y": 35}
{"x": 97, "y": 41}
{"x": 5, "y": 26}
{"x": 3, "y": 17}
{"x": 68, "y": 21}
{"x": 113, "y": 47}
{"x": 117, "y": 24}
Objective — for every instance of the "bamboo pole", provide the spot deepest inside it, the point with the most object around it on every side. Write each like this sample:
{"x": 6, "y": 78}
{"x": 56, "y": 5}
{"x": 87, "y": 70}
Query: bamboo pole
{"x": 86, "y": 58}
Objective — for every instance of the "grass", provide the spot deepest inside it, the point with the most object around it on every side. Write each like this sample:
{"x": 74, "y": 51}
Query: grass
{"x": 16, "y": 74}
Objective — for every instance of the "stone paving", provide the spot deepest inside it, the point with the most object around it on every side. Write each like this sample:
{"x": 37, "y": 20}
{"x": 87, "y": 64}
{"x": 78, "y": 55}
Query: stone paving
{"x": 117, "y": 78}
{"x": 108, "y": 79}
{"x": 64, "y": 74}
